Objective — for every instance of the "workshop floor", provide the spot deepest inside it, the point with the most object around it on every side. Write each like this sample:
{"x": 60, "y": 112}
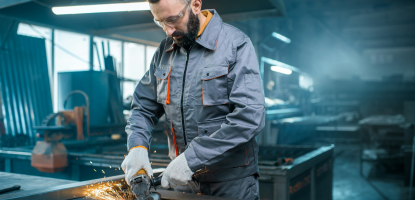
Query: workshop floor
{"x": 348, "y": 184}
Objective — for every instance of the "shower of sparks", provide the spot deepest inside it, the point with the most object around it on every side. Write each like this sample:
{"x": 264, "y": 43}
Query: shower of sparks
{"x": 109, "y": 191}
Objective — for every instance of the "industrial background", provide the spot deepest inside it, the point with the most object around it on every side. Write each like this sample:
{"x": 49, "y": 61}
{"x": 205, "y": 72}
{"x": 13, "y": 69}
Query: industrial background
{"x": 338, "y": 77}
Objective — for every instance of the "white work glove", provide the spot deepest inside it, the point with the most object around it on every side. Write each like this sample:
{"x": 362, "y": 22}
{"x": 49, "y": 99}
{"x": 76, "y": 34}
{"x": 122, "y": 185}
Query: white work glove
{"x": 136, "y": 159}
{"x": 177, "y": 173}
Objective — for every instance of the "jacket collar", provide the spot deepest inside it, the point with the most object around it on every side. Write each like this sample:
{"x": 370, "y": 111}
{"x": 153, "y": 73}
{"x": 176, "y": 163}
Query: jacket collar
{"x": 209, "y": 37}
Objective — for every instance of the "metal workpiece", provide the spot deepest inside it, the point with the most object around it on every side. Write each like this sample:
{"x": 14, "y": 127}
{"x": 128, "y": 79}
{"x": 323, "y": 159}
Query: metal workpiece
{"x": 172, "y": 195}
{"x": 27, "y": 182}
{"x": 69, "y": 191}
{"x": 79, "y": 191}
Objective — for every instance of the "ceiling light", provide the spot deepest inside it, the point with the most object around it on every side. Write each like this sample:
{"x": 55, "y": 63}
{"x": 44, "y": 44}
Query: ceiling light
{"x": 281, "y": 37}
{"x": 118, "y": 7}
{"x": 281, "y": 70}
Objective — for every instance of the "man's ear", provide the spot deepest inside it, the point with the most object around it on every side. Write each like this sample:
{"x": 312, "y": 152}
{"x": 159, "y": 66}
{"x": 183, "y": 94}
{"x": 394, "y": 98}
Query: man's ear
{"x": 196, "y": 6}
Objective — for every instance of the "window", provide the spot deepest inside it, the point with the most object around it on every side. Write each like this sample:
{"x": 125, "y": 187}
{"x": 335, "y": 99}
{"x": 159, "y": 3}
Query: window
{"x": 134, "y": 66}
{"x": 71, "y": 51}
{"x": 71, "y": 54}
{"x": 115, "y": 50}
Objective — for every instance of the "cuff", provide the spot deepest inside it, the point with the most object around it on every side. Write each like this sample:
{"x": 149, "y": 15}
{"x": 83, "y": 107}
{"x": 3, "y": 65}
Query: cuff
{"x": 192, "y": 159}
{"x": 139, "y": 147}
{"x": 137, "y": 141}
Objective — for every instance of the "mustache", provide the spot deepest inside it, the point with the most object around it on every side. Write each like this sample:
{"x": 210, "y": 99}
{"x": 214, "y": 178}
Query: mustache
{"x": 178, "y": 33}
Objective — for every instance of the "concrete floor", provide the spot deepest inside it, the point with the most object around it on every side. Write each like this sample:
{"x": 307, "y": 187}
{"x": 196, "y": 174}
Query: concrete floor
{"x": 348, "y": 184}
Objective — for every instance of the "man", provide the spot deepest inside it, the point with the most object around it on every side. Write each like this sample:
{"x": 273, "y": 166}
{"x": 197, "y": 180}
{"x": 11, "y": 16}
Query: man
{"x": 205, "y": 78}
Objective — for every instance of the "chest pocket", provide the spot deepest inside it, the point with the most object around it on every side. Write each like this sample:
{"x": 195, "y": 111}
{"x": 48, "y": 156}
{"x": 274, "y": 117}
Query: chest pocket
{"x": 214, "y": 85}
{"x": 163, "y": 84}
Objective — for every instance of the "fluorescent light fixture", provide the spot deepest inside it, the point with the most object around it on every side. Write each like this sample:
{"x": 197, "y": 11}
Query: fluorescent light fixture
{"x": 281, "y": 70}
{"x": 118, "y": 7}
{"x": 281, "y": 37}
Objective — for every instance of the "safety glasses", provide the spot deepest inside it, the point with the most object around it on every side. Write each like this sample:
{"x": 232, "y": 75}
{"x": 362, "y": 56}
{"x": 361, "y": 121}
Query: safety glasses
{"x": 172, "y": 20}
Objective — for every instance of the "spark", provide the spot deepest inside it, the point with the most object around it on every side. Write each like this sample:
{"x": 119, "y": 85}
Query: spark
{"x": 110, "y": 191}
{"x": 95, "y": 170}
{"x": 90, "y": 162}
{"x": 103, "y": 172}
{"x": 155, "y": 151}
{"x": 110, "y": 166}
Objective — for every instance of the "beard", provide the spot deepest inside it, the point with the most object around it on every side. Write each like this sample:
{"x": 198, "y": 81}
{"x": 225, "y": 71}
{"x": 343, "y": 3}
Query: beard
{"x": 189, "y": 38}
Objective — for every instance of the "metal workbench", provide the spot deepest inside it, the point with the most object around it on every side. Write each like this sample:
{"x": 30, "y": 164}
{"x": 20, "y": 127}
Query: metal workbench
{"x": 28, "y": 183}
{"x": 383, "y": 138}
{"x": 78, "y": 190}
{"x": 308, "y": 177}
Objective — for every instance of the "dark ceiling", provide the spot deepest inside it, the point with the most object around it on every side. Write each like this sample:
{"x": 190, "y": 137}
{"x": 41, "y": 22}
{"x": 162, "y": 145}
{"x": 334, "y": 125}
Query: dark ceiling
{"x": 39, "y": 11}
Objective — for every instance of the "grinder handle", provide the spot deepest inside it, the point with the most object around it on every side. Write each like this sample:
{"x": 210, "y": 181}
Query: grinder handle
{"x": 157, "y": 181}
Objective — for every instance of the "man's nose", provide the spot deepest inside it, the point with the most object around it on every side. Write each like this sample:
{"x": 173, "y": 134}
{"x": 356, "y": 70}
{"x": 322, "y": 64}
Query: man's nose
{"x": 169, "y": 30}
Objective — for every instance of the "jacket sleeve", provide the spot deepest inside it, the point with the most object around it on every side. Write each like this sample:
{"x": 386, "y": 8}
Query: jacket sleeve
{"x": 145, "y": 111}
{"x": 246, "y": 100}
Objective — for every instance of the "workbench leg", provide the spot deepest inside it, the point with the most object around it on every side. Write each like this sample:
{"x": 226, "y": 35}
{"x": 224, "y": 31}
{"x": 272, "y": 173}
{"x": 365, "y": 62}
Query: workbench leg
{"x": 8, "y": 165}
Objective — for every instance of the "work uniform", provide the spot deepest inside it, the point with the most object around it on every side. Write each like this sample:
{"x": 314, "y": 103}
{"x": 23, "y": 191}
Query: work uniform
{"x": 212, "y": 98}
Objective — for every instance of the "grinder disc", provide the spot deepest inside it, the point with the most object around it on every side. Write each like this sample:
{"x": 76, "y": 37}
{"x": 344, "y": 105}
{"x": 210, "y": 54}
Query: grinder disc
{"x": 152, "y": 196}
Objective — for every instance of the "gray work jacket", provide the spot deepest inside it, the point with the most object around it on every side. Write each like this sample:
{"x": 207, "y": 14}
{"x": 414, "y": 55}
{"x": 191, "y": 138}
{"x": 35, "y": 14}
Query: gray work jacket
{"x": 213, "y": 101}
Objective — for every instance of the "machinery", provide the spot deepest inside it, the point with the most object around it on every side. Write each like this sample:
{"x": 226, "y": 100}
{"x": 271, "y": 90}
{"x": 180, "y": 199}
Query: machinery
{"x": 49, "y": 153}
{"x": 141, "y": 184}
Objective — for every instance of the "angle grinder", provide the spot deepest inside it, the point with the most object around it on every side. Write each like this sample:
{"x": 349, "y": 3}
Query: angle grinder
{"x": 141, "y": 184}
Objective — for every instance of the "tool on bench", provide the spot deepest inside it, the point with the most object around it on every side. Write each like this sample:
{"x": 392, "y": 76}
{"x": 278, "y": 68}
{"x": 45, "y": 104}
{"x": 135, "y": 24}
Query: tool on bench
{"x": 16, "y": 187}
{"x": 141, "y": 184}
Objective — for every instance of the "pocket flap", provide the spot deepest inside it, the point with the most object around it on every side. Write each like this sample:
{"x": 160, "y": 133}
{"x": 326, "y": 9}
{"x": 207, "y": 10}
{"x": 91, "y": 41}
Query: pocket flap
{"x": 209, "y": 127}
{"x": 214, "y": 72}
{"x": 162, "y": 72}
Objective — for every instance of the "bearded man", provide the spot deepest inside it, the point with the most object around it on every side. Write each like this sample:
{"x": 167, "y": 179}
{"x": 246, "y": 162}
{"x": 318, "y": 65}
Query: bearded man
{"x": 204, "y": 77}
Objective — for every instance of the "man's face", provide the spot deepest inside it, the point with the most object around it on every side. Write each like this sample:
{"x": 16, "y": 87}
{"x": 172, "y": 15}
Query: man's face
{"x": 184, "y": 32}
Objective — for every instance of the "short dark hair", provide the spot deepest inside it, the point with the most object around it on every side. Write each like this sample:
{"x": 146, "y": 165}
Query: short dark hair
{"x": 156, "y": 1}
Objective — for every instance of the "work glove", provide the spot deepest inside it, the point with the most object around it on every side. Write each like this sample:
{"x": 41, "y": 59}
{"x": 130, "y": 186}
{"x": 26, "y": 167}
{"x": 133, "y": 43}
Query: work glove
{"x": 136, "y": 159}
{"x": 177, "y": 173}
